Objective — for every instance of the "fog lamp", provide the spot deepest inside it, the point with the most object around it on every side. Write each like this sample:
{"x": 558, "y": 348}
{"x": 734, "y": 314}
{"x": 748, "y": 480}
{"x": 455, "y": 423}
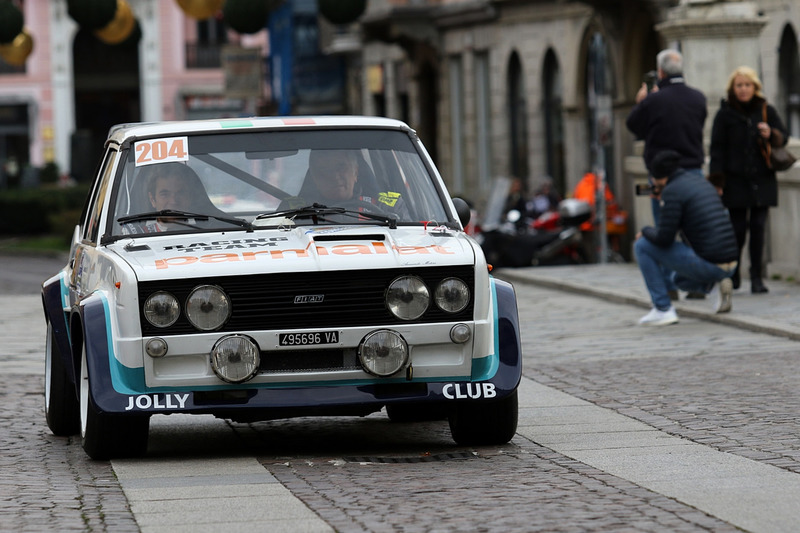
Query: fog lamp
{"x": 235, "y": 358}
{"x": 383, "y": 352}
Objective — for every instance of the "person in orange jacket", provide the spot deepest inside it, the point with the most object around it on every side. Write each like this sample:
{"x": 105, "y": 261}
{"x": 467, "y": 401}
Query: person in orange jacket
{"x": 616, "y": 218}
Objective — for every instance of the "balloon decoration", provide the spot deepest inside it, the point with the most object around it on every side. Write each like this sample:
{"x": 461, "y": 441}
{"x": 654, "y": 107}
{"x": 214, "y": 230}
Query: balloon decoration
{"x": 200, "y": 9}
{"x": 120, "y": 26}
{"x": 92, "y": 14}
{"x": 248, "y": 16}
{"x": 18, "y": 50}
{"x": 342, "y": 11}
{"x": 10, "y": 21}
{"x": 134, "y": 37}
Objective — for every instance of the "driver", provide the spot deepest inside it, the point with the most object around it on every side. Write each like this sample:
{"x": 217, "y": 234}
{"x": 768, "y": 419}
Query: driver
{"x": 334, "y": 174}
{"x": 335, "y": 179}
{"x": 172, "y": 186}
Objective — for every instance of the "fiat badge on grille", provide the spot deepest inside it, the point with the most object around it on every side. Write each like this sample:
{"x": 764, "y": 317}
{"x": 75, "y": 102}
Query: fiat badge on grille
{"x": 309, "y": 299}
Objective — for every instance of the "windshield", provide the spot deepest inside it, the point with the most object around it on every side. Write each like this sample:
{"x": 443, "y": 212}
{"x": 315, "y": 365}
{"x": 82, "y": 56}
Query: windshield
{"x": 250, "y": 180}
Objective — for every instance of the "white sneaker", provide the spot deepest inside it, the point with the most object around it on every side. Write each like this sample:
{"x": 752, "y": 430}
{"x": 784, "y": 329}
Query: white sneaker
{"x": 659, "y": 318}
{"x": 723, "y": 296}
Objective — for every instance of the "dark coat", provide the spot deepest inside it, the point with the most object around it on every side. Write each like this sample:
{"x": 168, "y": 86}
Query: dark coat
{"x": 691, "y": 205}
{"x": 671, "y": 118}
{"x": 737, "y": 158}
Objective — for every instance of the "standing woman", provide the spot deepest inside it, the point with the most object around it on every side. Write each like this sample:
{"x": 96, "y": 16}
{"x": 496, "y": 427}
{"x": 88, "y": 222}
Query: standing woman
{"x": 739, "y": 164}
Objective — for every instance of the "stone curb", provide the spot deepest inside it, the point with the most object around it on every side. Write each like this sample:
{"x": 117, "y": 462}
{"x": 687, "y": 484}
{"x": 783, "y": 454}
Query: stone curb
{"x": 749, "y": 323}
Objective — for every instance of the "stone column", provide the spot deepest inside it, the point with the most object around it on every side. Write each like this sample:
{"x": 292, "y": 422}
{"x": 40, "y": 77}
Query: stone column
{"x": 715, "y": 37}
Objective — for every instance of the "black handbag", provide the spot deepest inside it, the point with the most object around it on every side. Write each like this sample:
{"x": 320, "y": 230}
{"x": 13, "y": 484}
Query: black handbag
{"x": 778, "y": 157}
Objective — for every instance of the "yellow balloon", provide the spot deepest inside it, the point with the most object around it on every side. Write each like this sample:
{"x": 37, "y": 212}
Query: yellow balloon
{"x": 120, "y": 27}
{"x": 17, "y": 51}
{"x": 200, "y": 9}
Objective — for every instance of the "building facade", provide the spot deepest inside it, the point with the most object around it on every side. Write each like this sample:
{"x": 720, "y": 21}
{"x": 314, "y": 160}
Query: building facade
{"x": 536, "y": 88}
{"x": 58, "y": 106}
{"x": 495, "y": 88}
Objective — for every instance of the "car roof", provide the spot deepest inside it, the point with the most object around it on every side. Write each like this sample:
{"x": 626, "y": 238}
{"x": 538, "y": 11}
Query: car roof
{"x": 120, "y": 132}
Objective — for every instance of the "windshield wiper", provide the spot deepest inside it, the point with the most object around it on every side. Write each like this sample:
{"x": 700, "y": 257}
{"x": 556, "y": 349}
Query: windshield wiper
{"x": 172, "y": 213}
{"x": 318, "y": 211}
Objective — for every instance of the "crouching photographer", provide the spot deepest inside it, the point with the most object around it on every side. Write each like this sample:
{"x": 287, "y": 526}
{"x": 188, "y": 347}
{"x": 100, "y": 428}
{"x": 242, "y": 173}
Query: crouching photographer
{"x": 703, "y": 259}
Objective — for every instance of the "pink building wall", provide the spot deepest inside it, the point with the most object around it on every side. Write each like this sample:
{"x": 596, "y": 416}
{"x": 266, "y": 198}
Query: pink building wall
{"x": 47, "y": 85}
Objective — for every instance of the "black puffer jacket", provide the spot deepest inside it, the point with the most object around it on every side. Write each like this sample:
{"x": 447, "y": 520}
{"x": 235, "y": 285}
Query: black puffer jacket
{"x": 691, "y": 205}
{"x": 736, "y": 154}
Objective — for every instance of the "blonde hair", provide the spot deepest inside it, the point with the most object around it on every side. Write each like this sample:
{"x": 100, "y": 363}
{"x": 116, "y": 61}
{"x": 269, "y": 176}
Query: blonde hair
{"x": 751, "y": 75}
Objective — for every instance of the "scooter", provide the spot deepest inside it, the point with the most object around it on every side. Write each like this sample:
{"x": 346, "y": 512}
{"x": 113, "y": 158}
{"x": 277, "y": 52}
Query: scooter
{"x": 552, "y": 238}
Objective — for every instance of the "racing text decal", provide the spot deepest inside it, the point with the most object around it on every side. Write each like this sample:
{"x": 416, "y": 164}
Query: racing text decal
{"x": 374, "y": 248}
{"x": 145, "y": 402}
{"x": 458, "y": 391}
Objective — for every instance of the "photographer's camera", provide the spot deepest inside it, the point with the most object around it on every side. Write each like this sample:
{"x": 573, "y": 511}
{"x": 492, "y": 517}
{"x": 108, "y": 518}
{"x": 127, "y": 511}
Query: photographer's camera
{"x": 643, "y": 189}
{"x": 650, "y": 78}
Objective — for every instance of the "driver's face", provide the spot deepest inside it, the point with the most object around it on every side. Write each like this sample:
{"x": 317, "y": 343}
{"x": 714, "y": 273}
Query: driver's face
{"x": 171, "y": 192}
{"x": 334, "y": 175}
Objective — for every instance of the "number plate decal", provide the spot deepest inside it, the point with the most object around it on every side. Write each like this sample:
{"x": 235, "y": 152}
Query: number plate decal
{"x": 170, "y": 149}
{"x": 309, "y": 338}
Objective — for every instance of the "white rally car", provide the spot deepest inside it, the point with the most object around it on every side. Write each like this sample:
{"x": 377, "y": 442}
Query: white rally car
{"x": 268, "y": 268}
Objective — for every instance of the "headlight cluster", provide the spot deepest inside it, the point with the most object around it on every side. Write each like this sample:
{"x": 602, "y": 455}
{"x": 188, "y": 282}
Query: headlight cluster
{"x": 207, "y": 308}
{"x": 408, "y": 297}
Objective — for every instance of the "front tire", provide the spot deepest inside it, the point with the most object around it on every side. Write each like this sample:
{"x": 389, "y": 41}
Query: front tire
{"x": 104, "y": 435}
{"x": 61, "y": 407}
{"x": 485, "y": 423}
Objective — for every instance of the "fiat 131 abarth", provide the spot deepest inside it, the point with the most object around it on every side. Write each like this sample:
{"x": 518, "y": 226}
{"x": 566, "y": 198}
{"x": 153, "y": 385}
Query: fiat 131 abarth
{"x": 266, "y": 268}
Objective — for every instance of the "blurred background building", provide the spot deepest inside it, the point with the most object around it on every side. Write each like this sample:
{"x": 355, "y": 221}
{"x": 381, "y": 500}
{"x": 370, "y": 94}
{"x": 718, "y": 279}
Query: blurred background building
{"x": 514, "y": 88}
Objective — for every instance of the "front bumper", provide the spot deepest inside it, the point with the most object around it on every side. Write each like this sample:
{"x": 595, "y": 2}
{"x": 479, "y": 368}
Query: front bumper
{"x": 269, "y": 403}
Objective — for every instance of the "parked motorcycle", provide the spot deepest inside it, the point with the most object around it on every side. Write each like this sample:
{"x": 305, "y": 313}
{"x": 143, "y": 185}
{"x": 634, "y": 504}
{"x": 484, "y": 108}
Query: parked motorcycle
{"x": 552, "y": 238}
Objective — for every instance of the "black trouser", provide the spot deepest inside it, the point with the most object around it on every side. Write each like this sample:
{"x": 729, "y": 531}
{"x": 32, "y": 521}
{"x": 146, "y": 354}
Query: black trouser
{"x": 756, "y": 223}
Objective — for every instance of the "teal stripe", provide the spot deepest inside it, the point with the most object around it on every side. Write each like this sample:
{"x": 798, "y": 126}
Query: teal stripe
{"x": 486, "y": 367}
{"x": 124, "y": 380}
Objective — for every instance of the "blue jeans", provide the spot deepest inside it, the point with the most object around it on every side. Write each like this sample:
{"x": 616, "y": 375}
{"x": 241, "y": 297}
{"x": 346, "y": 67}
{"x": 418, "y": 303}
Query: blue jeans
{"x": 688, "y": 271}
{"x": 655, "y": 203}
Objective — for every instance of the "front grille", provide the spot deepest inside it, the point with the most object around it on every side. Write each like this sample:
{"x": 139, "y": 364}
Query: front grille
{"x": 351, "y": 298}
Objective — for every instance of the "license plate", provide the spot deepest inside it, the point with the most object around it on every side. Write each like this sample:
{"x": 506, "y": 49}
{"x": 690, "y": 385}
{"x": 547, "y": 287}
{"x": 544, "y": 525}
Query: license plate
{"x": 309, "y": 338}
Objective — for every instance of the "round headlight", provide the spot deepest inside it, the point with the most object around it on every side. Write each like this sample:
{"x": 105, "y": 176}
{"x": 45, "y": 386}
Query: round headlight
{"x": 208, "y": 307}
{"x": 452, "y": 295}
{"x": 407, "y": 297}
{"x": 383, "y": 352}
{"x": 161, "y": 309}
{"x": 235, "y": 358}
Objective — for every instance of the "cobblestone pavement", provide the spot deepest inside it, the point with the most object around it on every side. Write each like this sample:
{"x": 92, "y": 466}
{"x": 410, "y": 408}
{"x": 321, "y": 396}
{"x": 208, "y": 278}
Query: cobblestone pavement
{"x": 519, "y": 487}
{"x": 730, "y": 389}
{"x": 727, "y": 388}
{"x": 48, "y": 483}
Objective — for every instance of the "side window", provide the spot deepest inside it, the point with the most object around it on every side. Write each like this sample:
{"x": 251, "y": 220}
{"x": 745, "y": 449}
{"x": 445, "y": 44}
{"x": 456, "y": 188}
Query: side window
{"x": 99, "y": 195}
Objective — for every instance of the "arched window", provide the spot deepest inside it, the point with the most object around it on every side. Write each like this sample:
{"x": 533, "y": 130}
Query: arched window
{"x": 517, "y": 119}
{"x": 553, "y": 121}
{"x": 788, "y": 100}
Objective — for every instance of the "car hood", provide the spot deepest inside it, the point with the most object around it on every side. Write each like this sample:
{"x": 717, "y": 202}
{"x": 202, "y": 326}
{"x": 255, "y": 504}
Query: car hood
{"x": 295, "y": 250}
